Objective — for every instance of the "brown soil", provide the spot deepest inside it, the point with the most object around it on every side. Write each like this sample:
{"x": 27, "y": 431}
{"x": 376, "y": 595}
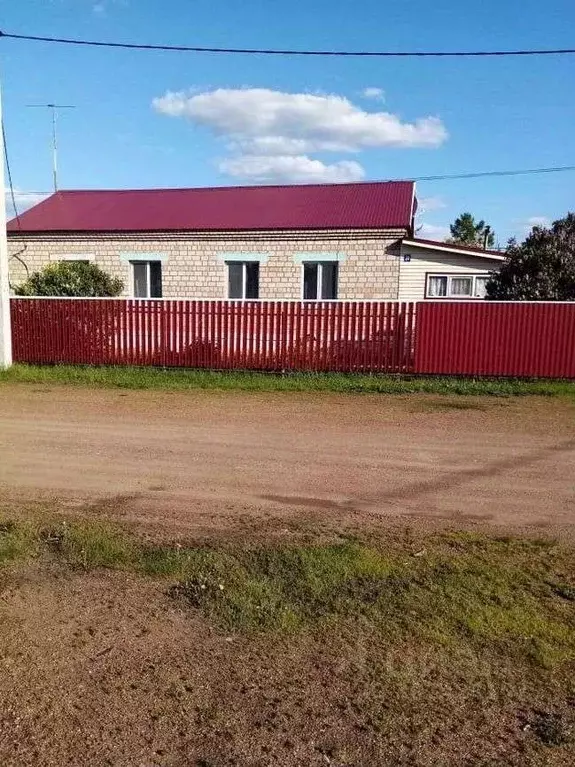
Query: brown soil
{"x": 104, "y": 669}
{"x": 193, "y": 463}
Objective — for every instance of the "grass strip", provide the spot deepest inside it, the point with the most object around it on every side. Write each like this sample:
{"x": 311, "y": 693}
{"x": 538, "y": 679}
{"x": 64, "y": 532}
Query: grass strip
{"x": 511, "y": 595}
{"x": 186, "y": 380}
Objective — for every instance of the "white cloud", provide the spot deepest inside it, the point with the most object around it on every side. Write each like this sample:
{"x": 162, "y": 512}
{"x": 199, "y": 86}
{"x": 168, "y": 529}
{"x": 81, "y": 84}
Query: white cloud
{"x": 297, "y": 169}
{"x": 540, "y": 221}
{"x": 430, "y": 204}
{"x": 23, "y": 200}
{"x": 523, "y": 226}
{"x": 298, "y": 121}
{"x": 424, "y": 229}
{"x": 375, "y": 94}
{"x": 259, "y": 123}
{"x": 101, "y": 7}
{"x": 433, "y": 232}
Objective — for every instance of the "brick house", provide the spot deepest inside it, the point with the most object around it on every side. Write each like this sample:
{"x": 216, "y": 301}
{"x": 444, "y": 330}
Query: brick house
{"x": 339, "y": 241}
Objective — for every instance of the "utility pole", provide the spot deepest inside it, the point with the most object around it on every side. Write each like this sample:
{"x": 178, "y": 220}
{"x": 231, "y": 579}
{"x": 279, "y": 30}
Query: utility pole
{"x": 5, "y": 326}
{"x": 54, "y": 109}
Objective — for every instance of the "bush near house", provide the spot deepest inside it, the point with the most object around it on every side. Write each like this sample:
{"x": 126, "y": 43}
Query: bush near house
{"x": 78, "y": 279}
{"x": 542, "y": 268}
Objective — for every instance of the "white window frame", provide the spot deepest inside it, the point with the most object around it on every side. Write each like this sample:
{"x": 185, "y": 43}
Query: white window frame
{"x": 320, "y": 265}
{"x": 147, "y": 262}
{"x": 454, "y": 276}
{"x": 244, "y": 264}
{"x": 481, "y": 277}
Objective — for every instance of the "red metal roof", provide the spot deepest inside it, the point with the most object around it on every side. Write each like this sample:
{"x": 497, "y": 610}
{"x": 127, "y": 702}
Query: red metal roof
{"x": 330, "y": 206}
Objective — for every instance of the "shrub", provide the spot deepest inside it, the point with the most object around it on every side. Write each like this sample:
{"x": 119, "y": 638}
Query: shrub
{"x": 71, "y": 278}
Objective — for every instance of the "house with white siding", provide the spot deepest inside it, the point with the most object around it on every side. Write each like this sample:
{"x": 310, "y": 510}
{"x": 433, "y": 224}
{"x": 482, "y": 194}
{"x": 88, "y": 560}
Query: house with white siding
{"x": 304, "y": 242}
{"x": 430, "y": 269}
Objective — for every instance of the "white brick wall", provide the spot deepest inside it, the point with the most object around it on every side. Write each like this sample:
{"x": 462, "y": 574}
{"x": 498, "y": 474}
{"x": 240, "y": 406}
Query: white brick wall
{"x": 193, "y": 270}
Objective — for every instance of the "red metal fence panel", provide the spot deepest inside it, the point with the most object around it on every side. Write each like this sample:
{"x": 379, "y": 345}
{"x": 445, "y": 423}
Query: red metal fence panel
{"x": 447, "y": 338}
{"x": 256, "y": 335}
{"x": 496, "y": 339}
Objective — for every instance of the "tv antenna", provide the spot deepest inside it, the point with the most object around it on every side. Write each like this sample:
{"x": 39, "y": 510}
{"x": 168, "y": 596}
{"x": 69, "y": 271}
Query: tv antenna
{"x": 54, "y": 109}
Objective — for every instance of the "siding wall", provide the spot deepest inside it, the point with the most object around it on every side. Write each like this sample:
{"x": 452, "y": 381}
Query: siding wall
{"x": 193, "y": 263}
{"x": 412, "y": 274}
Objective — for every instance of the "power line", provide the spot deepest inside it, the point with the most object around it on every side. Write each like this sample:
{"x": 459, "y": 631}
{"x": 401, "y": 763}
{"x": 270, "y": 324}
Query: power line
{"x": 491, "y": 173}
{"x": 288, "y": 52}
{"x": 16, "y": 256}
{"x": 9, "y": 172}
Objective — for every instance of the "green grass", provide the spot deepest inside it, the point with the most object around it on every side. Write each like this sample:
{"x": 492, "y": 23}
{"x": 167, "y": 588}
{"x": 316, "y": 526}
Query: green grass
{"x": 509, "y": 595}
{"x": 93, "y": 545}
{"x": 185, "y": 380}
{"x": 17, "y": 541}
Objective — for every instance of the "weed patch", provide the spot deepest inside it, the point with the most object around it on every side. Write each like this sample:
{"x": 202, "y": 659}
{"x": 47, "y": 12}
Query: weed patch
{"x": 489, "y": 596}
{"x": 97, "y": 545}
{"x": 565, "y": 591}
{"x": 505, "y": 595}
{"x": 17, "y": 541}
{"x": 551, "y": 729}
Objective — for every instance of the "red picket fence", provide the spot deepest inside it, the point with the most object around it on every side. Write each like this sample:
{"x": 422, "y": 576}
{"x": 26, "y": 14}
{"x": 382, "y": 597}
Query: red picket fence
{"x": 364, "y": 336}
{"x": 483, "y": 338}
{"x": 479, "y": 338}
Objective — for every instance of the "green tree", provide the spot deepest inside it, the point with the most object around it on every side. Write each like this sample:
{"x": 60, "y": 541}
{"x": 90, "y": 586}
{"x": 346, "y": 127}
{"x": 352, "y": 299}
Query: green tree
{"x": 542, "y": 268}
{"x": 71, "y": 278}
{"x": 465, "y": 230}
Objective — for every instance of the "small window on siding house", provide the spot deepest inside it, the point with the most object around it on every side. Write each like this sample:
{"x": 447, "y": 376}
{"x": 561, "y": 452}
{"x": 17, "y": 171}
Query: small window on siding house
{"x": 243, "y": 279}
{"x": 147, "y": 279}
{"x": 481, "y": 287}
{"x": 320, "y": 280}
{"x": 437, "y": 287}
{"x": 462, "y": 286}
{"x": 456, "y": 285}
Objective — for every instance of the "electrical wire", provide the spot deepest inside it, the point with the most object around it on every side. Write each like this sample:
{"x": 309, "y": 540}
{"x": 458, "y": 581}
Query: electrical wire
{"x": 491, "y": 173}
{"x": 288, "y": 52}
{"x": 9, "y": 172}
{"x": 13, "y": 199}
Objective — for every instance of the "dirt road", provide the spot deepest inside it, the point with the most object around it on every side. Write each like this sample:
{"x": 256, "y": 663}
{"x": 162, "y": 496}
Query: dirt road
{"x": 204, "y": 460}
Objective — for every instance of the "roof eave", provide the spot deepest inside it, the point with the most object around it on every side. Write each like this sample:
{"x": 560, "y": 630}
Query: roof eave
{"x": 451, "y": 249}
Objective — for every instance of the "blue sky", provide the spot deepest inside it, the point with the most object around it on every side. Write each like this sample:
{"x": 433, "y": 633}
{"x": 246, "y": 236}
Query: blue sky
{"x": 167, "y": 119}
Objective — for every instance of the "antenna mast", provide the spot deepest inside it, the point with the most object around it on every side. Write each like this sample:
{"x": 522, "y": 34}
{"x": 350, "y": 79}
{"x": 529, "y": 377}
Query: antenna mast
{"x": 54, "y": 109}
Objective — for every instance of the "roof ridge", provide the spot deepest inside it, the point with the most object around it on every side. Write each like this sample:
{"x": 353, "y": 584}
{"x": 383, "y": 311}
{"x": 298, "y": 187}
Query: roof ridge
{"x": 234, "y": 187}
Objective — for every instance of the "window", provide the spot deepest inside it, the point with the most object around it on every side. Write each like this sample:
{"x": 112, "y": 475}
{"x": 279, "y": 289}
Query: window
{"x": 147, "y": 279}
{"x": 461, "y": 286}
{"x": 243, "y": 279}
{"x": 320, "y": 280}
{"x": 480, "y": 287}
{"x": 436, "y": 287}
{"x": 456, "y": 285}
